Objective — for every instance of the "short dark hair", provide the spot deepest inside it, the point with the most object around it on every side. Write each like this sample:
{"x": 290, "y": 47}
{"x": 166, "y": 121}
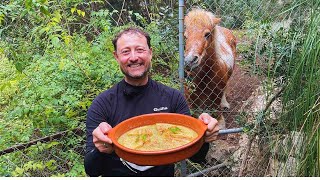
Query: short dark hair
{"x": 135, "y": 30}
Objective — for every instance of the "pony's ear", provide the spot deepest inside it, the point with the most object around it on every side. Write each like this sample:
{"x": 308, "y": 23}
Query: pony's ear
{"x": 216, "y": 20}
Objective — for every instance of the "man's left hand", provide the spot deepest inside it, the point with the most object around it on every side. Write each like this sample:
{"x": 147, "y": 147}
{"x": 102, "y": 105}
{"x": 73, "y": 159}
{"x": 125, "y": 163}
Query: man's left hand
{"x": 212, "y": 127}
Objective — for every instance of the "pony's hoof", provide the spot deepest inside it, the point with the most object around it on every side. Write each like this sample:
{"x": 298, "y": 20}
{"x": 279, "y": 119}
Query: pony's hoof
{"x": 222, "y": 122}
{"x": 225, "y": 105}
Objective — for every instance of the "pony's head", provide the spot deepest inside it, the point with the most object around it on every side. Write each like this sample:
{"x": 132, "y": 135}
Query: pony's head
{"x": 199, "y": 26}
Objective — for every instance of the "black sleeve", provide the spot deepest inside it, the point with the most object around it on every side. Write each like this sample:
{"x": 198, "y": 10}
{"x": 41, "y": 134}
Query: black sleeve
{"x": 93, "y": 163}
{"x": 182, "y": 108}
{"x": 97, "y": 113}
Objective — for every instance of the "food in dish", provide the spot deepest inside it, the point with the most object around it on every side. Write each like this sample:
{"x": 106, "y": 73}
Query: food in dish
{"x": 157, "y": 137}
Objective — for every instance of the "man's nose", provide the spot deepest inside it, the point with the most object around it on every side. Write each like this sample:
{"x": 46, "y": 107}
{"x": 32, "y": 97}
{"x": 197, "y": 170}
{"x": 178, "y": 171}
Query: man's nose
{"x": 133, "y": 55}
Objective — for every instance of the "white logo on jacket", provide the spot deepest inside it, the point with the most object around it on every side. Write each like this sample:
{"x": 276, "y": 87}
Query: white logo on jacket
{"x": 160, "y": 109}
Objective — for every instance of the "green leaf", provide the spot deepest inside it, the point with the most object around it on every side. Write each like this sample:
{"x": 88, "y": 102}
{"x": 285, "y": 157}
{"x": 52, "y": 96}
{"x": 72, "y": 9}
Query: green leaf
{"x": 24, "y": 12}
{"x": 19, "y": 66}
{"x": 28, "y": 4}
{"x": 50, "y": 163}
{"x": 55, "y": 19}
{"x": 39, "y": 166}
{"x": 66, "y": 39}
{"x": 79, "y": 12}
{"x": 61, "y": 65}
{"x": 70, "y": 113}
{"x": 144, "y": 137}
{"x": 45, "y": 29}
{"x": 55, "y": 41}
{"x": 44, "y": 1}
{"x": 174, "y": 129}
{"x": 54, "y": 143}
{"x": 72, "y": 10}
{"x": 25, "y": 139}
{"x": 4, "y": 85}
{"x": 83, "y": 13}
{"x": 1, "y": 17}
{"x": 19, "y": 170}
{"x": 44, "y": 10}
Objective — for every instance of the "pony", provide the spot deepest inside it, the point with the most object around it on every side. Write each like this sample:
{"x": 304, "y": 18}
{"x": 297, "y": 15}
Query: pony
{"x": 210, "y": 52}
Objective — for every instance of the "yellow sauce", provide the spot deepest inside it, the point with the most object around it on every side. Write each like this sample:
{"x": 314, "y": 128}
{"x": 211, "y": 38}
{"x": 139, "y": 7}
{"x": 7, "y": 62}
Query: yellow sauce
{"x": 156, "y": 137}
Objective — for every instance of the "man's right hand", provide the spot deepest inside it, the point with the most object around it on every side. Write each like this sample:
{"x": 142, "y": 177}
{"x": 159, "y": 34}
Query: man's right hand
{"x": 100, "y": 138}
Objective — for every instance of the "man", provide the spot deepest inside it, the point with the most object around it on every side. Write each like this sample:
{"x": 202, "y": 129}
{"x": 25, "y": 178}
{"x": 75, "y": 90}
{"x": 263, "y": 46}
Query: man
{"x": 136, "y": 94}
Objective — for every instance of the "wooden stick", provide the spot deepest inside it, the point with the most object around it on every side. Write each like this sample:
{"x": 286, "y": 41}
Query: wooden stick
{"x": 58, "y": 135}
{"x": 255, "y": 132}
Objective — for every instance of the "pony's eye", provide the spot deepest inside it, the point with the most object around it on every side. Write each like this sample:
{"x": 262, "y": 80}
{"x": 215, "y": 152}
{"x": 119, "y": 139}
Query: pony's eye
{"x": 207, "y": 35}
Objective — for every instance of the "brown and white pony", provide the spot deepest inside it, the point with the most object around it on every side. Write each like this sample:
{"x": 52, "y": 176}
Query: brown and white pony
{"x": 210, "y": 53}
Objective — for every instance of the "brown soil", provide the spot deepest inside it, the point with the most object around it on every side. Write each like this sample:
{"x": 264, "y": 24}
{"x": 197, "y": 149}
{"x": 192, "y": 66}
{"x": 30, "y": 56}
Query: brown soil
{"x": 240, "y": 87}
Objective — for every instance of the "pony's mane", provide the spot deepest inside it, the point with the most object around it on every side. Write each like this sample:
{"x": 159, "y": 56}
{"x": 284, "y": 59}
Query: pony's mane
{"x": 200, "y": 18}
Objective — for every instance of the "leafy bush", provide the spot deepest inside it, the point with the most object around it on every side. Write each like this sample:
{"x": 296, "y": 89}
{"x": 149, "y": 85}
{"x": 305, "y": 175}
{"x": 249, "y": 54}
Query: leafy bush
{"x": 55, "y": 58}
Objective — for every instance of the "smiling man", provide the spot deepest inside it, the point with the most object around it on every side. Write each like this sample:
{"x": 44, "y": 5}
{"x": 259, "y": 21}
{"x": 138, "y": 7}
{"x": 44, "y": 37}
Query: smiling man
{"x": 133, "y": 53}
{"x": 135, "y": 95}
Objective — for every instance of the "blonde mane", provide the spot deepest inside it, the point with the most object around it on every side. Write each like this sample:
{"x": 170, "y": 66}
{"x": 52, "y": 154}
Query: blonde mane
{"x": 200, "y": 18}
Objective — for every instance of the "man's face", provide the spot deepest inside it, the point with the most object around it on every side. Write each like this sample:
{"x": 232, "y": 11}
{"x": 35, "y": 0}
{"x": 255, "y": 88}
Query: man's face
{"x": 133, "y": 55}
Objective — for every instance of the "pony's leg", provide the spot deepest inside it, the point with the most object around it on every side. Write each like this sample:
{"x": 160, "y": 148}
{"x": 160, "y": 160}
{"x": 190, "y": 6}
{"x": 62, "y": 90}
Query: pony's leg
{"x": 222, "y": 125}
{"x": 221, "y": 120}
{"x": 224, "y": 103}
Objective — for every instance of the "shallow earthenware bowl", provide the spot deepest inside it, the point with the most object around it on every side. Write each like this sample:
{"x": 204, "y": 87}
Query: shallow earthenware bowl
{"x": 154, "y": 158}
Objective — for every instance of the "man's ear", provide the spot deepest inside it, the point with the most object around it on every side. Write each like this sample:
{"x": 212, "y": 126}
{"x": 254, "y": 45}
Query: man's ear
{"x": 115, "y": 55}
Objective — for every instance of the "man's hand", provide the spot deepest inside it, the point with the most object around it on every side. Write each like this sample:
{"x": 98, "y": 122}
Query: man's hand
{"x": 212, "y": 127}
{"x": 100, "y": 139}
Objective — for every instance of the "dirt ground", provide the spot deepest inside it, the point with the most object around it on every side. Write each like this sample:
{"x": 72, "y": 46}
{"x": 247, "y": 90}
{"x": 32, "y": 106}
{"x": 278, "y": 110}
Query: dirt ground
{"x": 240, "y": 88}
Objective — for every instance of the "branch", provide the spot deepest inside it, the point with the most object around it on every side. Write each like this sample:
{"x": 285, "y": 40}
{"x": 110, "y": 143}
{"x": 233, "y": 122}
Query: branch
{"x": 58, "y": 135}
{"x": 255, "y": 132}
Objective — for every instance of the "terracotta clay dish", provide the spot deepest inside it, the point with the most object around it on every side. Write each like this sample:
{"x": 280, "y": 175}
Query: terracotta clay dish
{"x": 162, "y": 157}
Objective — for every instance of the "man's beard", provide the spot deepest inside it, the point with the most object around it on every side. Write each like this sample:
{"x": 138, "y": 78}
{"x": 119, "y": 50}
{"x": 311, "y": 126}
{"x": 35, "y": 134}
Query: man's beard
{"x": 141, "y": 76}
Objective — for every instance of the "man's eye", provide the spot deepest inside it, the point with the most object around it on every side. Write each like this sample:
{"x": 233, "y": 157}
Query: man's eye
{"x": 140, "y": 50}
{"x": 125, "y": 52}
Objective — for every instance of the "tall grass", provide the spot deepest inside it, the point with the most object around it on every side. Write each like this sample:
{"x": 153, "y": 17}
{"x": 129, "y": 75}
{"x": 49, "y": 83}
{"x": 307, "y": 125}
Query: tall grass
{"x": 302, "y": 98}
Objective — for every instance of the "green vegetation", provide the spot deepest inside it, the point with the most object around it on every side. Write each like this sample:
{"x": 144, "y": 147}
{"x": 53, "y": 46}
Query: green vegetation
{"x": 56, "y": 56}
{"x": 302, "y": 99}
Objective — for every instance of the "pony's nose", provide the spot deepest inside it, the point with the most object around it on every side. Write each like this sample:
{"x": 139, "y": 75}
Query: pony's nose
{"x": 191, "y": 60}
{"x": 195, "y": 58}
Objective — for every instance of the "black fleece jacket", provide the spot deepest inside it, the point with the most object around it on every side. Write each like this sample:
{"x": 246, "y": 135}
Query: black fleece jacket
{"x": 124, "y": 101}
